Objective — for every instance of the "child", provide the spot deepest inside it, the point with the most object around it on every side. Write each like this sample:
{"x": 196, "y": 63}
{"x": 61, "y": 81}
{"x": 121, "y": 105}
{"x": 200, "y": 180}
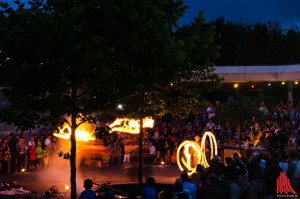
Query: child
{"x": 39, "y": 156}
{"x": 32, "y": 157}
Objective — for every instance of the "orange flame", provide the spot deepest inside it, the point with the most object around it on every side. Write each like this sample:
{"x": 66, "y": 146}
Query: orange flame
{"x": 67, "y": 187}
{"x": 82, "y": 133}
{"x": 131, "y": 126}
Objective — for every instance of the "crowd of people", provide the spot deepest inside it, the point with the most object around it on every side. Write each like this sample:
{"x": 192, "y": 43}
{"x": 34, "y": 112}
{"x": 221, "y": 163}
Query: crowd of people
{"x": 279, "y": 135}
{"x": 236, "y": 178}
{"x": 27, "y": 151}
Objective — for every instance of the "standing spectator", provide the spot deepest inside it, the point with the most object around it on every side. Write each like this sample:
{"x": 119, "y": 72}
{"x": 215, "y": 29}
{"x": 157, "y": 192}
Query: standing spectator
{"x": 32, "y": 157}
{"x": 46, "y": 154}
{"x": 283, "y": 164}
{"x": 292, "y": 172}
{"x": 149, "y": 192}
{"x": 179, "y": 190}
{"x": 21, "y": 152}
{"x": 211, "y": 111}
{"x": 31, "y": 142}
{"x": 6, "y": 163}
{"x": 39, "y": 156}
{"x": 202, "y": 185}
{"x": 48, "y": 144}
{"x": 213, "y": 190}
{"x": 189, "y": 186}
{"x": 126, "y": 153}
{"x": 88, "y": 193}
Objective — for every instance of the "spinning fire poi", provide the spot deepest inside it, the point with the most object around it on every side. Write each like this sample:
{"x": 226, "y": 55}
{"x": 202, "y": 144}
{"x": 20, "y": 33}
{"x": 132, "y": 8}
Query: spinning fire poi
{"x": 190, "y": 153}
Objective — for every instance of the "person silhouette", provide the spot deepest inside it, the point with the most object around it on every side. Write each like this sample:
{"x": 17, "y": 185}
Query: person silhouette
{"x": 88, "y": 193}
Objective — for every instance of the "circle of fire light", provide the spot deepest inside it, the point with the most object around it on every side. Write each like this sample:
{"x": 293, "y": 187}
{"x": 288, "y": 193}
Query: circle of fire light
{"x": 184, "y": 159}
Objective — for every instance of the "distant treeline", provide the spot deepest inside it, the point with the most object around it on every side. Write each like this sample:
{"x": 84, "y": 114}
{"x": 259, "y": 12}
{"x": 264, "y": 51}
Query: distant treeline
{"x": 256, "y": 44}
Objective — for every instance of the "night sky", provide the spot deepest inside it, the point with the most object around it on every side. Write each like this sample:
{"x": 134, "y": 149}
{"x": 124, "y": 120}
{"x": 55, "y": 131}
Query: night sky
{"x": 286, "y": 12}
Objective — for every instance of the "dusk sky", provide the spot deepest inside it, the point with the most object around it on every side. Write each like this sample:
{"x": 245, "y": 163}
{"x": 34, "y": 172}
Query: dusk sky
{"x": 285, "y": 11}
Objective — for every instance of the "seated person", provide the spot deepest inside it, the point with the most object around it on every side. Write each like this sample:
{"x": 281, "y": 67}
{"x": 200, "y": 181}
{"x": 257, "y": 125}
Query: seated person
{"x": 151, "y": 153}
{"x": 168, "y": 157}
{"x": 158, "y": 158}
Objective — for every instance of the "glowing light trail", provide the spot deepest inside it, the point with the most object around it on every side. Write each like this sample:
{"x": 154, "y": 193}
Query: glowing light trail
{"x": 189, "y": 153}
{"x": 131, "y": 126}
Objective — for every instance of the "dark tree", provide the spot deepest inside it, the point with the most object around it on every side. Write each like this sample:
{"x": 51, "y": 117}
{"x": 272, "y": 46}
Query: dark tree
{"x": 75, "y": 57}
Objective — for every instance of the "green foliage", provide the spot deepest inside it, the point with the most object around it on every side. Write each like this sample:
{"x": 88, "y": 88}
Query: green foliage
{"x": 255, "y": 44}
{"x": 75, "y": 57}
{"x": 191, "y": 76}
{"x": 239, "y": 113}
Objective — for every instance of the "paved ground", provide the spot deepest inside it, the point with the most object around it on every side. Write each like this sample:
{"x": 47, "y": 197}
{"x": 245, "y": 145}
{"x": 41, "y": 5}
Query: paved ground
{"x": 38, "y": 182}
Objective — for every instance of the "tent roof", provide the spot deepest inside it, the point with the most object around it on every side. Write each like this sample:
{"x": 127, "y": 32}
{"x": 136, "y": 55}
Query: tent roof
{"x": 259, "y": 73}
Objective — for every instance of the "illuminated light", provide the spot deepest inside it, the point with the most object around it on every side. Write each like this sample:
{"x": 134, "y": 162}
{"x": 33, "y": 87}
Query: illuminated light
{"x": 171, "y": 84}
{"x": 162, "y": 163}
{"x": 82, "y": 133}
{"x": 212, "y": 143}
{"x": 269, "y": 84}
{"x": 235, "y": 85}
{"x": 296, "y": 83}
{"x": 23, "y": 170}
{"x": 67, "y": 187}
{"x": 131, "y": 126}
{"x": 120, "y": 106}
{"x": 186, "y": 159}
{"x": 252, "y": 86}
{"x": 282, "y": 83}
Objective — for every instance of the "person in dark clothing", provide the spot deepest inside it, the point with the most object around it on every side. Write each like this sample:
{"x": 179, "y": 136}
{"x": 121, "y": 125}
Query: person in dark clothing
{"x": 213, "y": 190}
{"x": 88, "y": 193}
{"x": 149, "y": 192}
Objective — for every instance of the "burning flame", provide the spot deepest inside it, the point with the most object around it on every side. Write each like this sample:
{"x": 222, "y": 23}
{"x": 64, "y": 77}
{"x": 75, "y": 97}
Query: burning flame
{"x": 194, "y": 154}
{"x": 131, "y": 126}
{"x": 82, "y": 133}
{"x": 67, "y": 187}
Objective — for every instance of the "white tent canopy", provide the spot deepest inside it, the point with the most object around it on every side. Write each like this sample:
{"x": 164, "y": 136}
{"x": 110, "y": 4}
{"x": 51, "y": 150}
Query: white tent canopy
{"x": 259, "y": 73}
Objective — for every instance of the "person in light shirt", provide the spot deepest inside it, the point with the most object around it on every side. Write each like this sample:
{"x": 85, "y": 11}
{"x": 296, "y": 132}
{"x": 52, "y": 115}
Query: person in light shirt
{"x": 152, "y": 152}
{"x": 210, "y": 126}
{"x": 31, "y": 142}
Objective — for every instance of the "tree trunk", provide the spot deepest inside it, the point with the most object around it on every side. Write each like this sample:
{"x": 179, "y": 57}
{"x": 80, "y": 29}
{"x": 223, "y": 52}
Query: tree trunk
{"x": 141, "y": 156}
{"x": 73, "y": 157}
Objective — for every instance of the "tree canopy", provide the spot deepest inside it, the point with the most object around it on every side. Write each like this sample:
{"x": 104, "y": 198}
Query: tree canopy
{"x": 256, "y": 44}
{"x": 77, "y": 57}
